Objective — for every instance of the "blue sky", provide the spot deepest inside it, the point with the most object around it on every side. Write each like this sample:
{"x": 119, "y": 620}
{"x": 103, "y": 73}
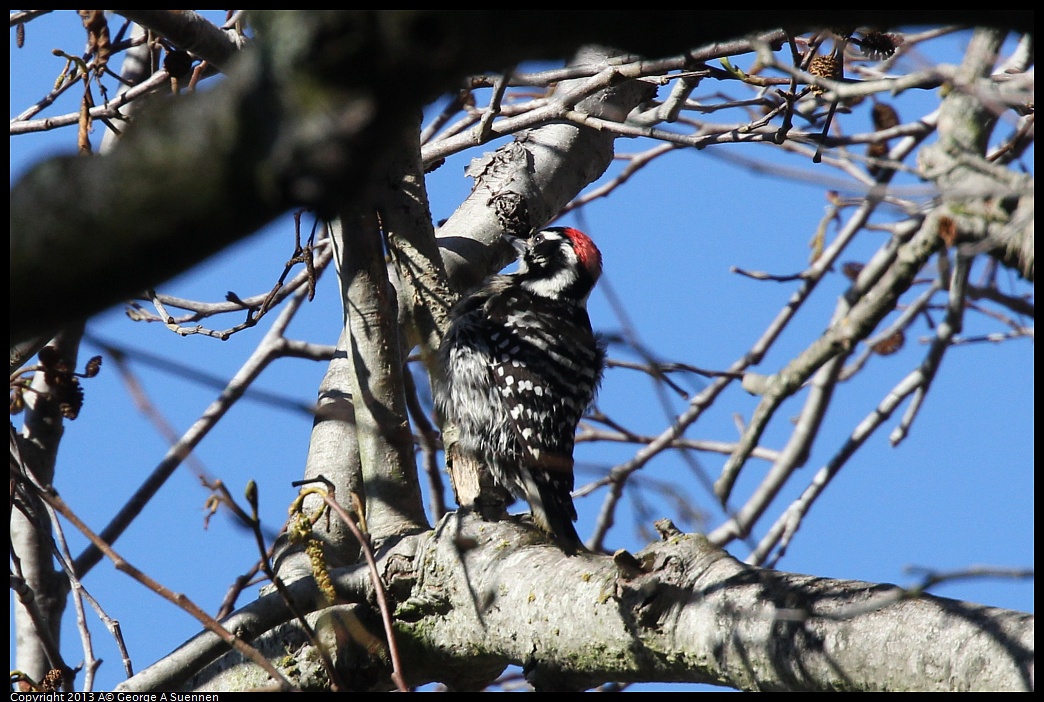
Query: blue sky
{"x": 957, "y": 493}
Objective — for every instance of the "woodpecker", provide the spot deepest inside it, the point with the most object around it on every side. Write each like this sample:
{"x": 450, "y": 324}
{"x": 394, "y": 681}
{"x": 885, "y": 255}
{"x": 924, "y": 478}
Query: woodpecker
{"x": 520, "y": 366}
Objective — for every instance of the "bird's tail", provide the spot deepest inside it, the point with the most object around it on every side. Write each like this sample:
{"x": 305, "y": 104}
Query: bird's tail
{"x": 548, "y": 494}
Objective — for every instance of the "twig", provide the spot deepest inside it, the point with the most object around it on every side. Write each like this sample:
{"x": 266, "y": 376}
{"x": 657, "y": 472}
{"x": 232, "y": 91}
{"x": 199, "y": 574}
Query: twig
{"x": 933, "y": 577}
{"x": 256, "y": 307}
{"x": 109, "y": 110}
{"x": 605, "y": 77}
{"x": 266, "y": 352}
{"x": 1017, "y": 304}
{"x": 253, "y": 522}
{"x": 994, "y": 338}
{"x": 824, "y": 348}
{"x": 179, "y": 600}
{"x": 79, "y": 593}
{"x": 378, "y": 587}
{"x": 951, "y": 325}
{"x": 901, "y": 323}
{"x": 783, "y": 530}
{"x": 499, "y": 86}
{"x": 627, "y": 437}
{"x": 635, "y": 164}
{"x": 760, "y": 275}
{"x": 23, "y": 16}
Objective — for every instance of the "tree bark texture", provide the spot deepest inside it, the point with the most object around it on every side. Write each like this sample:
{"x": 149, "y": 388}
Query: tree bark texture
{"x": 474, "y": 596}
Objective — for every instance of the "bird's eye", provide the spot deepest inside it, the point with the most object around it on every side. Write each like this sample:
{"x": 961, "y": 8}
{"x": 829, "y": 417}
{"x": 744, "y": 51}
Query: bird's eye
{"x": 539, "y": 237}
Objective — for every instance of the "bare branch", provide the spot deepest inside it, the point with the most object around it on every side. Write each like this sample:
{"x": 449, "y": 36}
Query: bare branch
{"x": 266, "y": 352}
{"x": 189, "y": 31}
{"x": 393, "y": 505}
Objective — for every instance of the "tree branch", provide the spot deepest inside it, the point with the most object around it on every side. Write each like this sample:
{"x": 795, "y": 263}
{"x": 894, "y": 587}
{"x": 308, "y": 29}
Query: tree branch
{"x": 475, "y": 596}
{"x": 391, "y": 489}
{"x": 189, "y": 31}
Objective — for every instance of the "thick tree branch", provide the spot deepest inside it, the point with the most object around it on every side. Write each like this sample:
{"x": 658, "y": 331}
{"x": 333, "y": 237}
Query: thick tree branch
{"x": 418, "y": 271}
{"x": 389, "y": 471}
{"x": 474, "y": 596}
{"x": 189, "y": 31}
{"x": 525, "y": 183}
{"x": 696, "y": 614}
{"x": 333, "y": 454}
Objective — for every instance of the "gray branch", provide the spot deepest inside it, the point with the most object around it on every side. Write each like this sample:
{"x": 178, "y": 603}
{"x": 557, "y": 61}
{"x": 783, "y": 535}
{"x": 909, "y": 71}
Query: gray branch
{"x": 389, "y": 471}
{"x": 476, "y": 596}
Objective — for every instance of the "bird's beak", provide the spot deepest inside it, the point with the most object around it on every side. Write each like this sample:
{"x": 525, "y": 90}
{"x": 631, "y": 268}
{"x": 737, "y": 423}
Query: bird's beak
{"x": 519, "y": 245}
